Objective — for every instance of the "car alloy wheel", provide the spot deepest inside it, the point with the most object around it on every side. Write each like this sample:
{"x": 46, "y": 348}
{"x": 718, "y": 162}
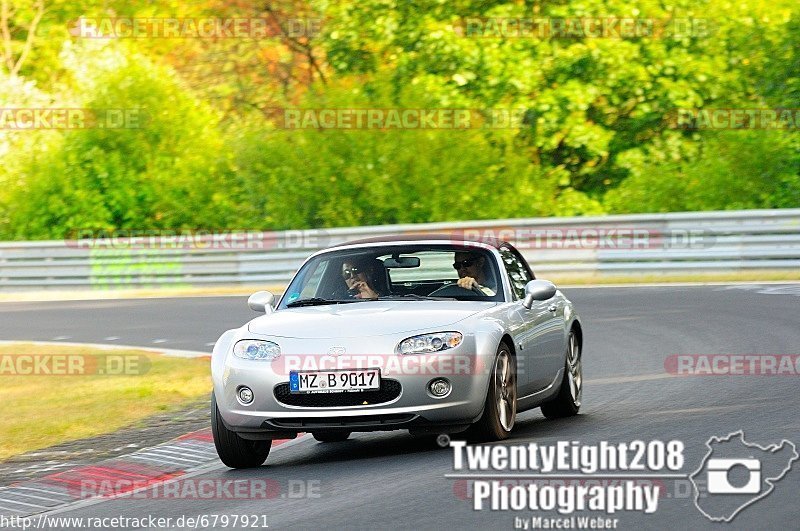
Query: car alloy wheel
{"x": 574, "y": 369}
{"x": 568, "y": 400}
{"x": 505, "y": 390}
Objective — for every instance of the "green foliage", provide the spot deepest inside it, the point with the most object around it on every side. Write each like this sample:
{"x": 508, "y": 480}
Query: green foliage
{"x": 595, "y": 139}
{"x": 734, "y": 170}
{"x": 334, "y": 177}
{"x": 158, "y": 171}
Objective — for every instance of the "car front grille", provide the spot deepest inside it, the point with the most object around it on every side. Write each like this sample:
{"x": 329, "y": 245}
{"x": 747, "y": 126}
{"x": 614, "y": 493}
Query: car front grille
{"x": 390, "y": 389}
{"x": 371, "y": 422}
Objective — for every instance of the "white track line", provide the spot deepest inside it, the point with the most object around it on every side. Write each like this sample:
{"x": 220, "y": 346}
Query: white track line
{"x": 26, "y": 495}
{"x": 105, "y": 346}
{"x": 171, "y": 455}
{"x": 151, "y": 459}
{"x": 45, "y": 491}
{"x": 189, "y": 451}
{"x": 676, "y": 284}
{"x": 6, "y": 500}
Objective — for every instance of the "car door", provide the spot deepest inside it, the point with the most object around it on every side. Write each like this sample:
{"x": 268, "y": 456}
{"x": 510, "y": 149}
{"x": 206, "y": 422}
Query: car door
{"x": 539, "y": 334}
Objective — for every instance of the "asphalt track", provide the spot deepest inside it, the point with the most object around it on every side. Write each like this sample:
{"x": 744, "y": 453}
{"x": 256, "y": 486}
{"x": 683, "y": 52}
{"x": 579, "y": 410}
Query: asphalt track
{"x": 391, "y": 480}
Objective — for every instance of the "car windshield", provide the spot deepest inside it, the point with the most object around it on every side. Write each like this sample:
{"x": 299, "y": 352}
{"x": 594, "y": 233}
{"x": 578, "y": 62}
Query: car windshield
{"x": 413, "y": 272}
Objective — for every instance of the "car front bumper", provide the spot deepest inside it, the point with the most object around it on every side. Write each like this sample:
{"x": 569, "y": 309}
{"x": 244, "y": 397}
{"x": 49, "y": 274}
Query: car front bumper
{"x": 467, "y": 367}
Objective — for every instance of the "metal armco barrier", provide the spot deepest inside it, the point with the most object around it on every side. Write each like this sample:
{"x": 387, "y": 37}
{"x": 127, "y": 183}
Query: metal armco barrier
{"x": 651, "y": 244}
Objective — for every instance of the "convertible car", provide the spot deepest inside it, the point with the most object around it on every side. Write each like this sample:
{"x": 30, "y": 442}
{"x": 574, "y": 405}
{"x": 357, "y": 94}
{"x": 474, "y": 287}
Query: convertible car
{"x": 429, "y": 333}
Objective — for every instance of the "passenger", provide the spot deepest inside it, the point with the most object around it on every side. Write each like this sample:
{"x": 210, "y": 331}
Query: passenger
{"x": 361, "y": 277}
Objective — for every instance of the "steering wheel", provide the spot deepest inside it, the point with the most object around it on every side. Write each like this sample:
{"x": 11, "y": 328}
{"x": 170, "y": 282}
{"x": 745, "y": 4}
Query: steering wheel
{"x": 454, "y": 290}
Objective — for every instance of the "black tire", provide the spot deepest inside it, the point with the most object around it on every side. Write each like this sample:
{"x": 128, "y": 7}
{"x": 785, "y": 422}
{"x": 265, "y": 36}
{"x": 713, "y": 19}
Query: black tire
{"x": 494, "y": 425}
{"x": 568, "y": 401}
{"x": 331, "y": 436}
{"x": 233, "y": 450}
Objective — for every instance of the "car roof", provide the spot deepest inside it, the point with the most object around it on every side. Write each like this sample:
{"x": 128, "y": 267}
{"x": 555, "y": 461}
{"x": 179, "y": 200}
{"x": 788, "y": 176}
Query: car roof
{"x": 416, "y": 237}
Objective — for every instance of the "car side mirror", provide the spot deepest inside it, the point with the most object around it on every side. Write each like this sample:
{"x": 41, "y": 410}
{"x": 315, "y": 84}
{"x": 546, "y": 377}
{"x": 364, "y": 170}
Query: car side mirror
{"x": 538, "y": 290}
{"x": 261, "y": 301}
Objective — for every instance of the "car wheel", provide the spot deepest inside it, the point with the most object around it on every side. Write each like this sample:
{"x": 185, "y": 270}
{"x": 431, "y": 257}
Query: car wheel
{"x": 500, "y": 410}
{"x": 568, "y": 401}
{"x": 233, "y": 450}
{"x": 335, "y": 436}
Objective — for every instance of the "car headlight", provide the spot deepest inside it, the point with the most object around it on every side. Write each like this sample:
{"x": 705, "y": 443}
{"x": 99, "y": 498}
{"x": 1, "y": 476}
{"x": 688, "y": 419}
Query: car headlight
{"x": 429, "y": 343}
{"x": 254, "y": 349}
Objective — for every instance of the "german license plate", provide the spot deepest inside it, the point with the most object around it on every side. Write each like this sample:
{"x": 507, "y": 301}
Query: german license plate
{"x": 334, "y": 381}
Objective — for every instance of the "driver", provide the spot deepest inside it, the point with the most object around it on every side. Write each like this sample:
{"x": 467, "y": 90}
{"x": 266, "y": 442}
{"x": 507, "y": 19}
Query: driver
{"x": 471, "y": 272}
{"x": 359, "y": 275}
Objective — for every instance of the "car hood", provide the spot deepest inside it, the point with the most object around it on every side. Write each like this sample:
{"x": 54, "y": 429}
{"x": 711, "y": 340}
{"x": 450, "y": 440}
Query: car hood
{"x": 372, "y": 318}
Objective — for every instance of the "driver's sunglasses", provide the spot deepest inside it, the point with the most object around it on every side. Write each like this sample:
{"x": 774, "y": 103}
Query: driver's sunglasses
{"x": 349, "y": 273}
{"x": 460, "y": 264}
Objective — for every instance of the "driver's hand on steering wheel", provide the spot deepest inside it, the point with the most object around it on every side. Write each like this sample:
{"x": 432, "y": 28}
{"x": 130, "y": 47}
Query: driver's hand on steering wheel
{"x": 468, "y": 283}
{"x": 472, "y": 284}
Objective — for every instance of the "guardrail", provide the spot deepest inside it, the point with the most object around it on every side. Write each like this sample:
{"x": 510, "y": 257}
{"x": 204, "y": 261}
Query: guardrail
{"x": 598, "y": 246}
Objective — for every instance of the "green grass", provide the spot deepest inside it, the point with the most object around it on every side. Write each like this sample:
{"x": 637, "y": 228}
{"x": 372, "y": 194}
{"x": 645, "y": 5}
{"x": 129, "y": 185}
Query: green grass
{"x": 43, "y": 410}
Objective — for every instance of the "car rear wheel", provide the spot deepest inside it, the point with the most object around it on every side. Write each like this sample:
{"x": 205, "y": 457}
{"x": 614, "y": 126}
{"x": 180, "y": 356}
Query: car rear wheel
{"x": 568, "y": 401}
{"x": 500, "y": 410}
{"x": 328, "y": 437}
{"x": 233, "y": 450}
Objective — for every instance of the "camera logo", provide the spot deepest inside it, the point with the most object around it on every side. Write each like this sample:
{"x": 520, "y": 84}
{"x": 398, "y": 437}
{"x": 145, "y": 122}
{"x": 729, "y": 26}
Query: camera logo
{"x": 719, "y": 483}
{"x": 735, "y": 474}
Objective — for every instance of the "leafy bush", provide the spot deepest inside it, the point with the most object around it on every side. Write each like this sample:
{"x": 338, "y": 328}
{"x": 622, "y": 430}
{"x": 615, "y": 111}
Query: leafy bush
{"x": 161, "y": 172}
{"x": 594, "y": 140}
{"x": 731, "y": 170}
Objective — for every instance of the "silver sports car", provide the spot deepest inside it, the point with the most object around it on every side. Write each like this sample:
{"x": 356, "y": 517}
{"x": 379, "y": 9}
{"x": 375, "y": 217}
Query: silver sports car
{"x": 426, "y": 333}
